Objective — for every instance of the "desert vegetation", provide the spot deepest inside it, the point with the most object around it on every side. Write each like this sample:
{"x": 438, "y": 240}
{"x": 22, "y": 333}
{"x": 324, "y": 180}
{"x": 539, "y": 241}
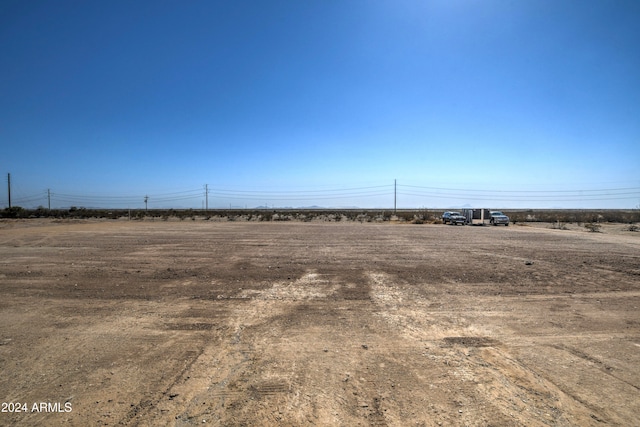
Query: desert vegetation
{"x": 576, "y": 216}
{"x": 558, "y": 217}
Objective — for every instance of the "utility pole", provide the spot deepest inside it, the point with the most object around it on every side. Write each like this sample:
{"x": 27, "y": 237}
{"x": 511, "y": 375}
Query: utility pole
{"x": 9, "y": 188}
{"x": 49, "y": 198}
{"x": 206, "y": 196}
{"x": 146, "y": 198}
{"x": 394, "y": 196}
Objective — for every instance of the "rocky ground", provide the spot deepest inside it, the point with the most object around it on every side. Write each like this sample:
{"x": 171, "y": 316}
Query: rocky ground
{"x": 145, "y": 323}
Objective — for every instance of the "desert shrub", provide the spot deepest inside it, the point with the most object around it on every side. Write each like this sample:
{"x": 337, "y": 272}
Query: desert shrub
{"x": 304, "y": 217}
{"x": 362, "y": 218}
{"x": 404, "y": 216}
{"x": 75, "y": 212}
{"x": 57, "y": 213}
{"x": 577, "y": 216}
{"x": 616, "y": 216}
{"x": 593, "y": 227}
{"x": 383, "y": 216}
{"x": 14, "y": 212}
{"x": 40, "y": 212}
{"x": 418, "y": 219}
{"x": 559, "y": 226}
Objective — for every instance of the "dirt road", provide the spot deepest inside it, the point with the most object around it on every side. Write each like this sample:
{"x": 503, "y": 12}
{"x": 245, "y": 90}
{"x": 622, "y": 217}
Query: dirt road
{"x": 142, "y": 323}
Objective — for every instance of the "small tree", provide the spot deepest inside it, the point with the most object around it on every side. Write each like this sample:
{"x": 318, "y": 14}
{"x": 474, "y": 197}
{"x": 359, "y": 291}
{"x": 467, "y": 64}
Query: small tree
{"x": 14, "y": 212}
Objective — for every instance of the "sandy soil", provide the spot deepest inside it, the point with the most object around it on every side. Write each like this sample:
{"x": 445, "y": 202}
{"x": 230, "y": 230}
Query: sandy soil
{"x": 141, "y": 323}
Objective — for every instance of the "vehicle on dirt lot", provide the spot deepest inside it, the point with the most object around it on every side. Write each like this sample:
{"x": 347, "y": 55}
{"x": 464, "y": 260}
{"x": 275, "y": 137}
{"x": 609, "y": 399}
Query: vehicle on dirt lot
{"x": 498, "y": 217}
{"x": 453, "y": 218}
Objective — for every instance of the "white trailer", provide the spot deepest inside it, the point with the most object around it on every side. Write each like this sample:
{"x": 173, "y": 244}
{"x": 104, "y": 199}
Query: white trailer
{"x": 477, "y": 216}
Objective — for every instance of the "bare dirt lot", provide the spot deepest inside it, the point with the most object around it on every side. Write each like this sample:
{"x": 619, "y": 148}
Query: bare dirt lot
{"x": 147, "y": 323}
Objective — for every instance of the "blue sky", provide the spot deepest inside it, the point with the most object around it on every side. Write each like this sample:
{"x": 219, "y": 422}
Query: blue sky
{"x": 494, "y": 103}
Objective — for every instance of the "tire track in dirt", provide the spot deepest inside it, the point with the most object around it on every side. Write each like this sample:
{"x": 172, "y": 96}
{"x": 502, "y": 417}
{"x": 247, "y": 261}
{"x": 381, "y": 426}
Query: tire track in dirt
{"x": 603, "y": 367}
{"x": 491, "y": 385}
{"x": 143, "y": 411}
{"x": 220, "y": 382}
{"x": 256, "y": 375}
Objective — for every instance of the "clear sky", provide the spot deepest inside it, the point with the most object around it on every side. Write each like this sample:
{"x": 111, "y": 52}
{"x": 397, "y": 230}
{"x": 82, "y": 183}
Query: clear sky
{"x": 496, "y": 103}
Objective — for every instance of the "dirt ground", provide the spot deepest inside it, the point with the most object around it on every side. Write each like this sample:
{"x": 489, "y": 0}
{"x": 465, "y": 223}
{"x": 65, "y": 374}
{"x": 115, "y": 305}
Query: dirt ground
{"x": 181, "y": 323}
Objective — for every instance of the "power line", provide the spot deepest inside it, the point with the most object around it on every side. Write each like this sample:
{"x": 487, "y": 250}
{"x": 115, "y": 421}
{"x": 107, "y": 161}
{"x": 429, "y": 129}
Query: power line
{"x": 636, "y": 189}
{"x": 293, "y": 192}
{"x": 621, "y": 193}
{"x": 514, "y": 198}
{"x": 394, "y": 190}
{"x": 524, "y": 196}
{"x": 260, "y": 196}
